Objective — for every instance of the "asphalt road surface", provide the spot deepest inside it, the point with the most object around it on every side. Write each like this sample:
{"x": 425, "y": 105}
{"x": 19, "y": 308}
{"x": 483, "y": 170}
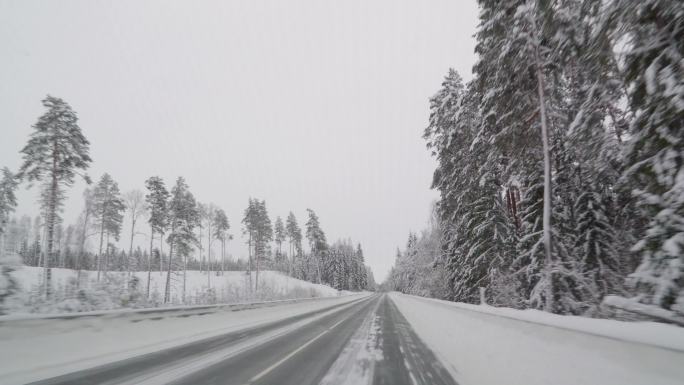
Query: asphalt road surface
{"x": 365, "y": 342}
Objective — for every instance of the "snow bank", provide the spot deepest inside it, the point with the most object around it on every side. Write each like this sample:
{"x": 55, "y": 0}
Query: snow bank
{"x": 113, "y": 292}
{"x": 650, "y": 311}
{"x": 485, "y": 345}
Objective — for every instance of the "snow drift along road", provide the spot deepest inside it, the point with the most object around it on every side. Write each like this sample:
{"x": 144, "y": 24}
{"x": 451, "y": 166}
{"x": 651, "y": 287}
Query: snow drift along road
{"x": 483, "y": 345}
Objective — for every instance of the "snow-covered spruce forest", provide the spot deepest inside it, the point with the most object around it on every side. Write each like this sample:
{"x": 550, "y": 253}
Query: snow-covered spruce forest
{"x": 186, "y": 259}
{"x": 561, "y": 164}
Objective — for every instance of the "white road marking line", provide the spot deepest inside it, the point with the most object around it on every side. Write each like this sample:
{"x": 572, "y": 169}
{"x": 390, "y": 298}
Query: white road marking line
{"x": 299, "y": 349}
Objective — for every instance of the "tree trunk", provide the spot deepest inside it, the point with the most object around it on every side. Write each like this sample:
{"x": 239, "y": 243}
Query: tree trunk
{"x": 318, "y": 264}
{"x": 256, "y": 255}
{"x": 249, "y": 261}
{"x": 161, "y": 254}
{"x": 185, "y": 274}
{"x": 549, "y": 305}
{"x": 52, "y": 207}
{"x": 289, "y": 258}
{"x": 200, "y": 247}
{"x": 149, "y": 262}
{"x": 223, "y": 256}
{"x": 99, "y": 254}
{"x": 167, "y": 290}
{"x": 130, "y": 250}
{"x": 209, "y": 256}
{"x": 318, "y": 268}
{"x": 82, "y": 250}
{"x": 105, "y": 265}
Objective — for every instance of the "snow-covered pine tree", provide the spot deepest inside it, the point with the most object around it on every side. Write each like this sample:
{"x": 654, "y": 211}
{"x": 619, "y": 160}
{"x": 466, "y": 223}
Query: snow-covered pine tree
{"x": 448, "y": 137}
{"x": 595, "y": 243}
{"x": 56, "y": 152}
{"x": 570, "y": 291}
{"x": 183, "y": 217}
{"x": 207, "y": 213}
{"x": 108, "y": 207}
{"x": 532, "y": 57}
{"x": 280, "y": 234}
{"x": 221, "y": 227}
{"x": 249, "y": 224}
{"x": 263, "y": 235}
{"x": 361, "y": 274}
{"x": 371, "y": 284}
{"x": 409, "y": 262}
{"x": 294, "y": 236}
{"x": 654, "y": 76}
{"x": 336, "y": 270}
{"x": 317, "y": 241}
{"x": 588, "y": 141}
{"x": 8, "y": 200}
{"x": 478, "y": 232}
{"x": 157, "y": 201}
{"x": 257, "y": 226}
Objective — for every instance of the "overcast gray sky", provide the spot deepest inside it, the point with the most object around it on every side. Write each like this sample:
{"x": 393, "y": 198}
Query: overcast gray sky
{"x": 316, "y": 104}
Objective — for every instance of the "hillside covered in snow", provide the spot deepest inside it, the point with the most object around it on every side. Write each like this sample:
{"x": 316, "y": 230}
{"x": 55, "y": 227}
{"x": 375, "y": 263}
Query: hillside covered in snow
{"x": 121, "y": 290}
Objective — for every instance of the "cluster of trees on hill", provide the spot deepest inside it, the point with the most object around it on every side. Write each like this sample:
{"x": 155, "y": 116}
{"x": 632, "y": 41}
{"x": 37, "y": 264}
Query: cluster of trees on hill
{"x": 561, "y": 164}
{"x": 57, "y": 153}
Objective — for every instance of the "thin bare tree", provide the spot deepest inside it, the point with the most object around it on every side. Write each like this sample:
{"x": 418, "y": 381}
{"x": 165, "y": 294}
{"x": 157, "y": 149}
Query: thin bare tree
{"x": 136, "y": 207}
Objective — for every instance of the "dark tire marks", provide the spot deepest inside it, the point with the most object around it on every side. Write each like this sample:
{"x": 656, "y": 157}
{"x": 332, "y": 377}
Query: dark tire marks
{"x": 406, "y": 358}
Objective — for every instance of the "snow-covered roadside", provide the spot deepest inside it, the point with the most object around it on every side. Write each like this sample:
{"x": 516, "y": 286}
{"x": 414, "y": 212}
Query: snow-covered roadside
{"x": 28, "y": 277}
{"x": 30, "y": 353}
{"x": 113, "y": 292}
{"x": 482, "y": 345}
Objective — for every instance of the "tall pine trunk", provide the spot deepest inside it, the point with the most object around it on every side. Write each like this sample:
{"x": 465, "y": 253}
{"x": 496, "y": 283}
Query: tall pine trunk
{"x": 546, "y": 221}
{"x": 200, "y": 246}
{"x": 99, "y": 254}
{"x": 256, "y": 255}
{"x": 249, "y": 261}
{"x": 130, "y": 250}
{"x": 318, "y": 265}
{"x": 161, "y": 254}
{"x": 289, "y": 258}
{"x": 82, "y": 250}
{"x": 256, "y": 280}
{"x": 149, "y": 261}
{"x": 185, "y": 274}
{"x": 209, "y": 256}
{"x": 167, "y": 290}
{"x": 105, "y": 265}
{"x": 52, "y": 207}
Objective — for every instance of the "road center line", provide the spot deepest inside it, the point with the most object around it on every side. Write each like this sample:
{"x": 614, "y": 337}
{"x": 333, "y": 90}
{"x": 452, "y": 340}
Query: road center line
{"x": 299, "y": 349}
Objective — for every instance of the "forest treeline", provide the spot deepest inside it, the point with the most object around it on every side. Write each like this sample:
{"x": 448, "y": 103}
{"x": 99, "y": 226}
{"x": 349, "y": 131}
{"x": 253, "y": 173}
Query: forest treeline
{"x": 182, "y": 232}
{"x": 561, "y": 164}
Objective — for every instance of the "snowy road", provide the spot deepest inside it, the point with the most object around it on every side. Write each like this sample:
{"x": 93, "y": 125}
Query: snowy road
{"x": 351, "y": 340}
{"x": 365, "y": 341}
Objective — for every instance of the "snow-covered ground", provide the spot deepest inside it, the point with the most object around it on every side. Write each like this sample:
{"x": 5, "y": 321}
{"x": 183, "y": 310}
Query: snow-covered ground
{"x": 113, "y": 292}
{"x": 483, "y": 345}
{"x": 31, "y": 352}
